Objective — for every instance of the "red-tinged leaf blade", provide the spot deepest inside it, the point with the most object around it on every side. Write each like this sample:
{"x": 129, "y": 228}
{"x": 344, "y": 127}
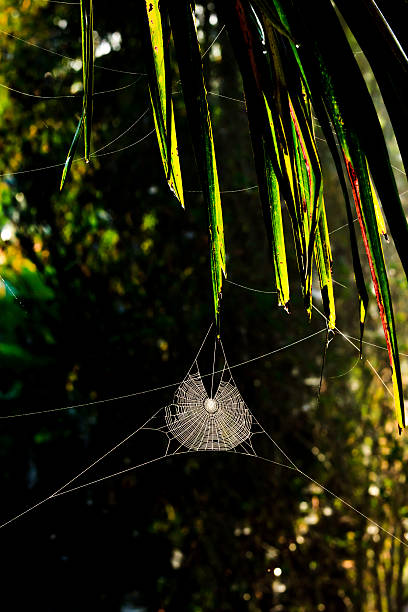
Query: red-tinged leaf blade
{"x": 360, "y": 180}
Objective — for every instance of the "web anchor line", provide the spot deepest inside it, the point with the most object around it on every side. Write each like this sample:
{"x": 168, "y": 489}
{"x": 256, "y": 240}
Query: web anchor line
{"x": 81, "y": 473}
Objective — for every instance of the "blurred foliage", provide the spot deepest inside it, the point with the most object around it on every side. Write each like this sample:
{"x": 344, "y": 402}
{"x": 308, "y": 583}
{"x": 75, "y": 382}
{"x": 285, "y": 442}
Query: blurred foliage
{"x": 105, "y": 292}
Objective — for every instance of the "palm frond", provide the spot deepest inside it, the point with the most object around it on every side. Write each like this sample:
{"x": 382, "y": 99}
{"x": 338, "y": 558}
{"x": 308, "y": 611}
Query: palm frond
{"x": 293, "y": 67}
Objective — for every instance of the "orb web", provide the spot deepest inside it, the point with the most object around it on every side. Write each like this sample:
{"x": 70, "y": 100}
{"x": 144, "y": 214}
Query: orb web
{"x": 199, "y": 422}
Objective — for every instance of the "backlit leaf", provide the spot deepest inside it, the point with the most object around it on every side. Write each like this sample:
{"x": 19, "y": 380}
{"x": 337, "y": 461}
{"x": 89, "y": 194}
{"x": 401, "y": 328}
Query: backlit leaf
{"x": 160, "y": 95}
{"x": 87, "y": 70}
{"x": 72, "y": 151}
{"x": 195, "y": 98}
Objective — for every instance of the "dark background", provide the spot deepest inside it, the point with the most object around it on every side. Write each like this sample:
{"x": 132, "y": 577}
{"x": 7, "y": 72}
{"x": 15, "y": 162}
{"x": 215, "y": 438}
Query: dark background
{"x": 113, "y": 297}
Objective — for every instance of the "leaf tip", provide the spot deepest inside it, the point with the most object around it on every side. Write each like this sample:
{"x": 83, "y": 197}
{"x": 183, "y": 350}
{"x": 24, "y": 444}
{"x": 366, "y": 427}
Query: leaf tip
{"x": 286, "y": 308}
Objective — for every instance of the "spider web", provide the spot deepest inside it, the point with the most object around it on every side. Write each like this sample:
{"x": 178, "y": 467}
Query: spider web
{"x": 200, "y": 422}
{"x": 197, "y": 421}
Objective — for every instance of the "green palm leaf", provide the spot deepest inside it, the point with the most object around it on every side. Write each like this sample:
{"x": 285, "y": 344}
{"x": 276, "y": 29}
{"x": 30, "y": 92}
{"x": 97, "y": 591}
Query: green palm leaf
{"x": 87, "y": 70}
{"x": 195, "y": 98}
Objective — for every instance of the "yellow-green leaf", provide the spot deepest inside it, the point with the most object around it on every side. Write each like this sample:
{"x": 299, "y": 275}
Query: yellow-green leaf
{"x": 161, "y": 101}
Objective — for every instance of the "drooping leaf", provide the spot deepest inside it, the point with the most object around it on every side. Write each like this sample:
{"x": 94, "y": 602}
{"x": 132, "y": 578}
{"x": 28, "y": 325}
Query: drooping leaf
{"x": 369, "y": 227}
{"x": 309, "y": 179}
{"x": 324, "y": 261}
{"x": 160, "y": 95}
{"x": 195, "y": 98}
{"x": 357, "y": 267}
{"x": 72, "y": 151}
{"x": 87, "y": 71}
{"x": 278, "y": 243}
